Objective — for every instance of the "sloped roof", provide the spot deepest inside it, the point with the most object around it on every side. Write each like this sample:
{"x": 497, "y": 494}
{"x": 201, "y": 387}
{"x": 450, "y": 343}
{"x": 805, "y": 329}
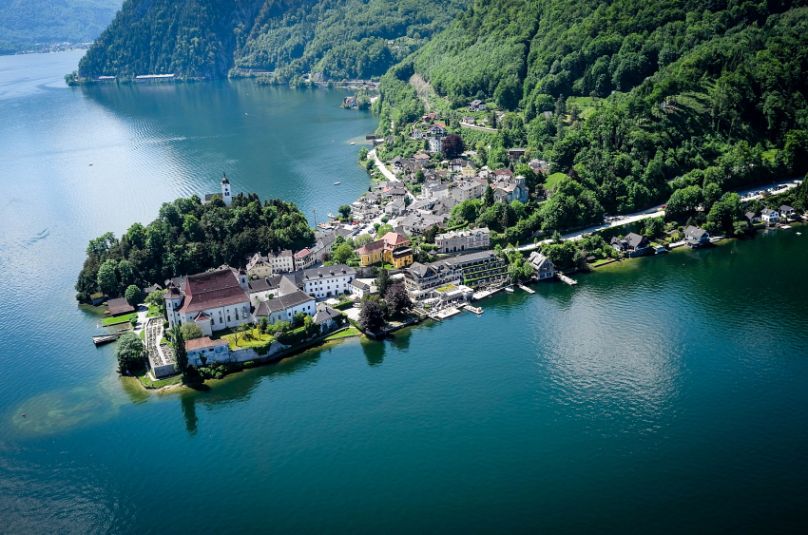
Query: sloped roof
{"x": 203, "y": 343}
{"x": 212, "y": 290}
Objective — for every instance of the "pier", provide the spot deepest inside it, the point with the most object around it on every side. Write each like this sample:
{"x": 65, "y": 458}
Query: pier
{"x": 526, "y": 289}
{"x": 566, "y": 280}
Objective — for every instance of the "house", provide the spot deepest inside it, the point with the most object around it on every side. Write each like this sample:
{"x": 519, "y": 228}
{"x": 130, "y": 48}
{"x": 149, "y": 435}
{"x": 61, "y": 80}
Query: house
{"x": 328, "y": 318}
{"x": 508, "y": 188}
{"x": 516, "y": 153}
{"x": 281, "y": 261}
{"x": 286, "y": 307}
{"x": 463, "y": 240}
{"x": 214, "y": 300}
{"x": 787, "y": 212}
{"x": 361, "y": 289}
{"x": 696, "y": 237}
{"x": 770, "y": 217}
{"x": 259, "y": 267}
{"x": 304, "y": 258}
{"x": 477, "y": 105}
{"x": 468, "y": 189}
{"x": 203, "y": 351}
{"x": 544, "y": 267}
{"x": 468, "y": 120}
{"x": 395, "y": 207}
{"x": 632, "y": 244}
{"x": 418, "y": 223}
{"x": 394, "y": 248}
{"x": 328, "y": 281}
{"x": 751, "y": 217}
{"x": 119, "y": 306}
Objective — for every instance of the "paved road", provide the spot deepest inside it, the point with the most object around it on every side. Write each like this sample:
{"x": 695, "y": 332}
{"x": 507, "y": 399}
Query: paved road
{"x": 657, "y": 211}
{"x": 388, "y": 174}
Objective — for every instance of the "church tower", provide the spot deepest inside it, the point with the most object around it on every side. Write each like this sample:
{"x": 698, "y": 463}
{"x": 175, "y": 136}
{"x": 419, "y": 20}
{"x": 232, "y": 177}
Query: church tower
{"x": 227, "y": 197}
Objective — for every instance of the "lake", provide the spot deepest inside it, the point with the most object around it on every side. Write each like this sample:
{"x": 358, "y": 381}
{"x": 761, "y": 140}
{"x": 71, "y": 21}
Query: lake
{"x": 667, "y": 394}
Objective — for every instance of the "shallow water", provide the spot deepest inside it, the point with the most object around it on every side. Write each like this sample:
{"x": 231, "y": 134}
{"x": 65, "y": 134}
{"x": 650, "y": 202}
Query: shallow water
{"x": 666, "y": 394}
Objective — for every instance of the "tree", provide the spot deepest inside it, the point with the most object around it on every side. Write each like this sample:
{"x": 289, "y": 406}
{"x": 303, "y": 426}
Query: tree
{"x": 133, "y": 295}
{"x": 179, "y": 348}
{"x": 344, "y": 211}
{"x": 191, "y": 331}
{"x": 383, "y": 281}
{"x": 725, "y": 212}
{"x": 453, "y": 146}
{"x": 488, "y": 196}
{"x": 683, "y": 203}
{"x": 107, "y": 279}
{"x": 397, "y": 299}
{"x": 130, "y": 353}
{"x": 383, "y": 229}
{"x": 342, "y": 253}
{"x": 371, "y": 316}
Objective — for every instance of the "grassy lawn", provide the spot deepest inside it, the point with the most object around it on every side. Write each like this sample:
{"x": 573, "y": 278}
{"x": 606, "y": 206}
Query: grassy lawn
{"x": 553, "y": 180}
{"x": 586, "y": 105}
{"x": 350, "y": 332}
{"x": 117, "y": 320}
{"x": 258, "y": 340}
{"x": 147, "y": 381}
{"x": 446, "y": 288}
{"x": 154, "y": 312}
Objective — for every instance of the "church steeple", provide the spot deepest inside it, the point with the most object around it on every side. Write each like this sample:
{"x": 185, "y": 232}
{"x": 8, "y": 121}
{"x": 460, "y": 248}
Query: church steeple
{"x": 227, "y": 197}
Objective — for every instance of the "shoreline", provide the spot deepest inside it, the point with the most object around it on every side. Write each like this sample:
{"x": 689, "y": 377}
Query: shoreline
{"x": 617, "y": 265}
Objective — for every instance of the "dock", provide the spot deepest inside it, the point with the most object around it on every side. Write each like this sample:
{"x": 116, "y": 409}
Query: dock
{"x": 445, "y": 313}
{"x": 566, "y": 280}
{"x": 103, "y": 339}
{"x": 482, "y": 294}
{"x": 526, "y": 289}
{"x": 473, "y": 309}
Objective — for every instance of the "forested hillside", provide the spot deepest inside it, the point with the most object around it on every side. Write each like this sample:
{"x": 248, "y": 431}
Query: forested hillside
{"x": 27, "y": 25}
{"x": 633, "y": 98}
{"x": 282, "y": 38}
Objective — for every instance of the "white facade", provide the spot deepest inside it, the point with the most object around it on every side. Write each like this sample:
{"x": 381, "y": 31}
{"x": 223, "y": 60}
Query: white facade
{"x": 227, "y": 196}
{"x": 328, "y": 281}
{"x": 463, "y": 240}
{"x": 282, "y": 262}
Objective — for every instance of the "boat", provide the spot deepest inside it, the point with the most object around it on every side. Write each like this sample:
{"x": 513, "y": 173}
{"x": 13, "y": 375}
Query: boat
{"x": 509, "y": 289}
{"x": 526, "y": 289}
{"x": 337, "y": 183}
{"x": 660, "y": 249}
{"x": 473, "y": 309}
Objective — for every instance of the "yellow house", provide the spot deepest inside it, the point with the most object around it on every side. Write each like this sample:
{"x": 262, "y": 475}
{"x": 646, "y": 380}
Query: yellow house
{"x": 393, "y": 248}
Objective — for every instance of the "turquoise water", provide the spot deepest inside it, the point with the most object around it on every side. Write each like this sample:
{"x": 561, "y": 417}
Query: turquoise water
{"x": 667, "y": 395}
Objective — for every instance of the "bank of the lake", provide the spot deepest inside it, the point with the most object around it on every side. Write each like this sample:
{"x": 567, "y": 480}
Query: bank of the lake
{"x": 670, "y": 397}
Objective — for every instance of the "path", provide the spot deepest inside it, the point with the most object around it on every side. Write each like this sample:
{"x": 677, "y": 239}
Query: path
{"x": 388, "y": 174}
{"x": 656, "y": 211}
{"x": 478, "y": 127}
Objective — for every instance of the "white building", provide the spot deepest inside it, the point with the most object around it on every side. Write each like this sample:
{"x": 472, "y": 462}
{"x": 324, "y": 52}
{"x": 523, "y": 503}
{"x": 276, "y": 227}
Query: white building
{"x": 215, "y": 300}
{"x": 463, "y": 240}
{"x": 227, "y": 195}
{"x": 769, "y": 216}
{"x": 286, "y": 307}
{"x": 202, "y": 351}
{"x": 281, "y": 261}
{"x": 328, "y": 281}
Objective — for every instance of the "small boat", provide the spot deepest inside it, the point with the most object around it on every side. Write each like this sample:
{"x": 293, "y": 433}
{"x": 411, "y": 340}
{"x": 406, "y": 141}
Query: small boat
{"x": 337, "y": 183}
{"x": 509, "y": 289}
{"x": 473, "y": 309}
{"x": 660, "y": 250}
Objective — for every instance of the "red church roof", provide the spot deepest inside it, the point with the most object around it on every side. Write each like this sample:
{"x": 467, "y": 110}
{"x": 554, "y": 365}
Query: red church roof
{"x": 212, "y": 290}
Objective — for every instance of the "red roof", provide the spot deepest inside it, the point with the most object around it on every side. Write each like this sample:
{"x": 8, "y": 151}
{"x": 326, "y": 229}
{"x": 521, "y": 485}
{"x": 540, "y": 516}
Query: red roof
{"x": 202, "y": 343}
{"x": 212, "y": 290}
{"x": 370, "y": 247}
{"x": 302, "y": 254}
{"x": 118, "y": 306}
{"x": 395, "y": 239}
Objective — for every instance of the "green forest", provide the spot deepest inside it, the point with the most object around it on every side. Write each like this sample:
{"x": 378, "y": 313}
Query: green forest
{"x": 189, "y": 237}
{"x": 339, "y": 39}
{"x": 631, "y": 99}
{"x": 27, "y": 25}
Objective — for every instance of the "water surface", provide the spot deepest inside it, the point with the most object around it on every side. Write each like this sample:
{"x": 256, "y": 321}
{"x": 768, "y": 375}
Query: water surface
{"x": 667, "y": 395}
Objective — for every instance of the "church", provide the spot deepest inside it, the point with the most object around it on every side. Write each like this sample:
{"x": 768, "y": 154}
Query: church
{"x": 226, "y": 195}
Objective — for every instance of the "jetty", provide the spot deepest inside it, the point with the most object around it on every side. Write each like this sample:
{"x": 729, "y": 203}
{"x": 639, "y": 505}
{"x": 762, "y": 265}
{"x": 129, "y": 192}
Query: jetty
{"x": 482, "y": 294}
{"x": 526, "y": 289}
{"x": 444, "y": 313}
{"x": 102, "y": 339}
{"x": 566, "y": 280}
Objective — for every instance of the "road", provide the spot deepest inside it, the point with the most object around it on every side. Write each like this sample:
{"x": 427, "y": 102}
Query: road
{"x": 657, "y": 211}
{"x": 388, "y": 174}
